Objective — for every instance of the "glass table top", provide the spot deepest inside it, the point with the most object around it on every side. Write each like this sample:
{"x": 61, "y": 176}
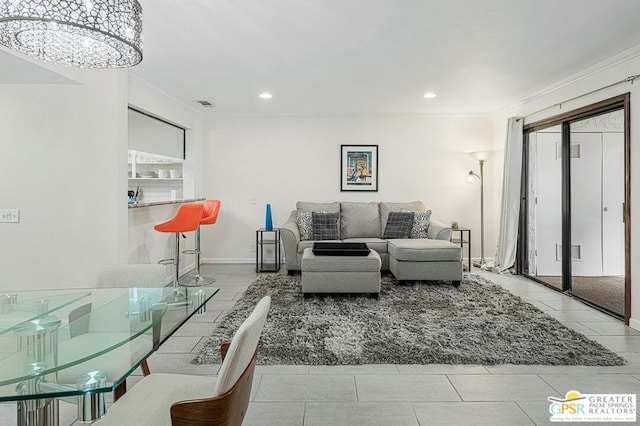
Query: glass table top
{"x": 56, "y": 343}
{"x": 14, "y": 311}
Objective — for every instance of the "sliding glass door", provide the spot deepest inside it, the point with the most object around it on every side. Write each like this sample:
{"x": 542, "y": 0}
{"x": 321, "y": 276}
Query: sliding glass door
{"x": 597, "y": 212}
{"x": 575, "y": 238}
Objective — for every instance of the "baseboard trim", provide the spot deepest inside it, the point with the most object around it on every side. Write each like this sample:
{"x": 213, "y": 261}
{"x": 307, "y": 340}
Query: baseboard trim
{"x": 228, "y": 260}
{"x": 477, "y": 260}
{"x": 634, "y": 323}
{"x": 186, "y": 269}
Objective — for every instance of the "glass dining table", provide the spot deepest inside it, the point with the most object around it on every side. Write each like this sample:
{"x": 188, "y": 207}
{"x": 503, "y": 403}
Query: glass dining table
{"x": 78, "y": 344}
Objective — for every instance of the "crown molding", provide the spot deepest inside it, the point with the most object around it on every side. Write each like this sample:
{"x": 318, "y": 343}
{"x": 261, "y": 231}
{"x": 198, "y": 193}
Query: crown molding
{"x": 613, "y": 61}
{"x": 136, "y": 79}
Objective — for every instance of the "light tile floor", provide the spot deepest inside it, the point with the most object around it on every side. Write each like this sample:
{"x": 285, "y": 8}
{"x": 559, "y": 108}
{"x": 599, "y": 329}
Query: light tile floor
{"x": 399, "y": 395}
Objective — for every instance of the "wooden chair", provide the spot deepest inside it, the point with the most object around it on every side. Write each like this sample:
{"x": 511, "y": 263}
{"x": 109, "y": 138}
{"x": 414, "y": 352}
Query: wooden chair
{"x": 181, "y": 400}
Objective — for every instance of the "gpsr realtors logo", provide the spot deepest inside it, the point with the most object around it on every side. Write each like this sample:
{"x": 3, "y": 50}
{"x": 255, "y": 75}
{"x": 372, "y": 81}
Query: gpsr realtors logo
{"x": 576, "y": 407}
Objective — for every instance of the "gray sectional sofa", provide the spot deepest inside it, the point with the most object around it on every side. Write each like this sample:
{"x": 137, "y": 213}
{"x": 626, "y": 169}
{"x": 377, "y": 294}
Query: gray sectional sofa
{"x": 431, "y": 258}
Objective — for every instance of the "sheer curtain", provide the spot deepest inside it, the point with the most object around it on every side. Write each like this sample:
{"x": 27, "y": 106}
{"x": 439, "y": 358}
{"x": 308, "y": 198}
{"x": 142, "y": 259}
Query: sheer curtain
{"x": 505, "y": 256}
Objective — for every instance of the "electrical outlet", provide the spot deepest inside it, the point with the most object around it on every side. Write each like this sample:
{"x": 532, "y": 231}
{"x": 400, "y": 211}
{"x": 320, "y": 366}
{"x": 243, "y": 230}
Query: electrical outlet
{"x": 9, "y": 215}
{"x": 252, "y": 248}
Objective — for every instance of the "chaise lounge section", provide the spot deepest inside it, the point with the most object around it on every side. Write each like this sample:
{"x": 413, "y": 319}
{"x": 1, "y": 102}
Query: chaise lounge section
{"x": 416, "y": 259}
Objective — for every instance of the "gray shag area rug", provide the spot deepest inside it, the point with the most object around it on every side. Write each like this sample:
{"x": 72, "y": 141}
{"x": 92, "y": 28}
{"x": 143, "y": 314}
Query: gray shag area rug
{"x": 414, "y": 323}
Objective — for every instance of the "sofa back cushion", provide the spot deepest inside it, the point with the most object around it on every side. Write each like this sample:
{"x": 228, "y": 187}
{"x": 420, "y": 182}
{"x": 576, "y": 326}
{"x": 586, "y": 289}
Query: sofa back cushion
{"x": 385, "y": 208}
{"x": 305, "y": 206}
{"x": 359, "y": 220}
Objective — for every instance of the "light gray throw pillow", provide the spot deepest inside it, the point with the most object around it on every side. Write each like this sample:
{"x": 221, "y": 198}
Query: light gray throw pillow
{"x": 420, "y": 224}
{"x": 305, "y": 226}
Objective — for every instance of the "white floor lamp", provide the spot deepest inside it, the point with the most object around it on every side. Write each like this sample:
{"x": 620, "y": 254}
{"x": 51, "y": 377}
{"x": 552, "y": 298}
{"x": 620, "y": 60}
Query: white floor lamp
{"x": 482, "y": 157}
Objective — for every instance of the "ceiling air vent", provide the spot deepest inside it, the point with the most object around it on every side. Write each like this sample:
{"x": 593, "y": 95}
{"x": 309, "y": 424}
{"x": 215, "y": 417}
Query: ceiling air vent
{"x": 206, "y": 104}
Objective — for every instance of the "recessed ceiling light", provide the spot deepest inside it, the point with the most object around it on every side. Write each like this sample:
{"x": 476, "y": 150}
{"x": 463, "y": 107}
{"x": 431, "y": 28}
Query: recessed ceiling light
{"x": 265, "y": 95}
{"x": 430, "y": 95}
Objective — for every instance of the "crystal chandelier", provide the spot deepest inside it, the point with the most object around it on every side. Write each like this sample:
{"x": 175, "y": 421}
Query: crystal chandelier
{"x": 79, "y": 33}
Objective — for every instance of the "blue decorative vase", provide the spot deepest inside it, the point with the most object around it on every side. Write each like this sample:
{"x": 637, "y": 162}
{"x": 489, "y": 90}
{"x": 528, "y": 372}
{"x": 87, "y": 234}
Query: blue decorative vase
{"x": 268, "y": 222}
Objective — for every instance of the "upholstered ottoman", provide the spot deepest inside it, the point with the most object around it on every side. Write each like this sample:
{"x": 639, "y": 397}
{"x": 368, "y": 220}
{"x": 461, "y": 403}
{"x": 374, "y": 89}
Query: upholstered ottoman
{"x": 425, "y": 259}
{"x": 340, "y": 274}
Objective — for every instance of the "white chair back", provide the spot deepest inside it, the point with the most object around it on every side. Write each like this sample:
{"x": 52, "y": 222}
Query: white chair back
{"x": 243, "y": 346}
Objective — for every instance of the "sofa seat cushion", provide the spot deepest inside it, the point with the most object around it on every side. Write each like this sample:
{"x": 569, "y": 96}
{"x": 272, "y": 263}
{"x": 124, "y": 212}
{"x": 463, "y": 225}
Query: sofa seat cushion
{"x": 424, "y": 250}
{"x": 377, "y": 244}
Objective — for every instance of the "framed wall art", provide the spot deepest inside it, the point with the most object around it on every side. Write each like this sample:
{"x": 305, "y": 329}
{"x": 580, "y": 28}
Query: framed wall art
{"x": 358, "y": 168}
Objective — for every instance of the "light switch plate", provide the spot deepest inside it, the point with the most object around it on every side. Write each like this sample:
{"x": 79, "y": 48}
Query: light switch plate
{"x": 9, "y": 215}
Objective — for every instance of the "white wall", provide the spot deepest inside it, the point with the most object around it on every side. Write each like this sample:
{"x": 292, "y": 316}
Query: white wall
{"x": 63, "y": 164}
{"x": 283, "y": 159}
{"x": 600, "y": 76}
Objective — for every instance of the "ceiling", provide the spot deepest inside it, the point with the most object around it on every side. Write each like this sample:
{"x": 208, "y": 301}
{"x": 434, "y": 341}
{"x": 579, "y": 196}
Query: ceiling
{"x": 375, "y": 56}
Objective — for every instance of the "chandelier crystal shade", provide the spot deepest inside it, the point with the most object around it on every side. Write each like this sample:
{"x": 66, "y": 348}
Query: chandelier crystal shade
{"x": 79, "y": 33}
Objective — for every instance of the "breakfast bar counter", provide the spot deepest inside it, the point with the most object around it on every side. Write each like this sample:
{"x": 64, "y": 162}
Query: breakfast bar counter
{"x": 166, "y": 202}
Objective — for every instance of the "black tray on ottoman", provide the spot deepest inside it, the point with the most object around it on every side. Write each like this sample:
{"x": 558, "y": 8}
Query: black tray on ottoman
{"x": 340, "y": 249}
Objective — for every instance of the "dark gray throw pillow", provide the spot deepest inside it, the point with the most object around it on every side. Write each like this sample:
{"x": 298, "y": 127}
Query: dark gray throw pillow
{"x": 399, "y": 225}
{"x": 326, "y": 226}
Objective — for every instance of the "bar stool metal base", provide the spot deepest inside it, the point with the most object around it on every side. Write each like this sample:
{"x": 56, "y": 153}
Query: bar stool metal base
{"x": 198, "y": 280}
{"x": 175, "y": 262}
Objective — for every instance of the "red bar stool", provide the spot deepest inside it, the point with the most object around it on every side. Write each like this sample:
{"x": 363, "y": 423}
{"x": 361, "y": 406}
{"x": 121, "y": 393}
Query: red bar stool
{"x": 209, "y": 217}
{"x": 187, "y": 219}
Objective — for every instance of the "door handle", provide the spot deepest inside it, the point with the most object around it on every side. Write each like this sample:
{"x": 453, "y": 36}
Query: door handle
{"x": 606, "y": 209}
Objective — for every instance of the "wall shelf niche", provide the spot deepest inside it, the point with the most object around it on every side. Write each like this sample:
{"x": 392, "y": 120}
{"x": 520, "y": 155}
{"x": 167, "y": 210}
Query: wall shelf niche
{"x": 149, "y": 166}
